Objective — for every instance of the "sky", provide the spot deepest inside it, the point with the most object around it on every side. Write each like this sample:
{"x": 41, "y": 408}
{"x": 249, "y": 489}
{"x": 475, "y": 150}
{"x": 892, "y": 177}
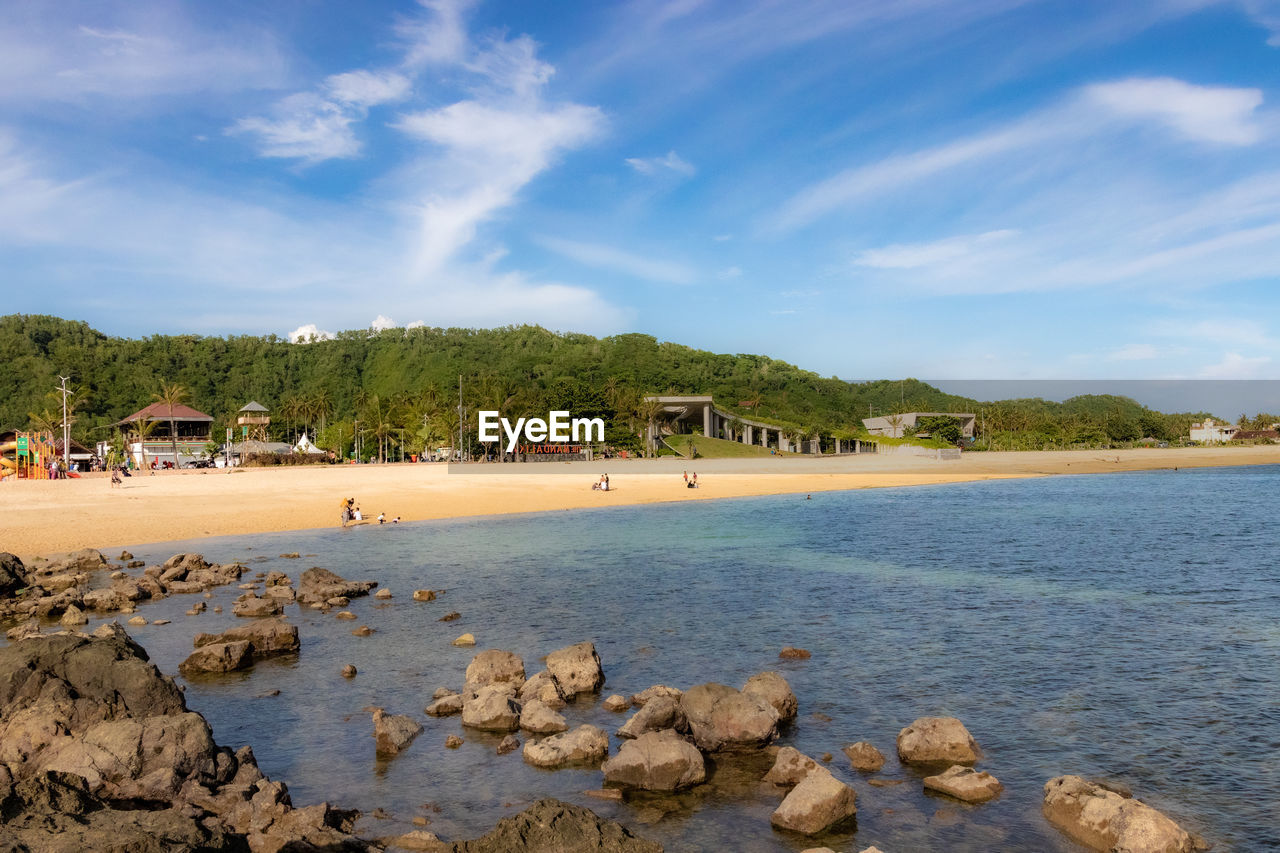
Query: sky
{"x": 983, "y": 189}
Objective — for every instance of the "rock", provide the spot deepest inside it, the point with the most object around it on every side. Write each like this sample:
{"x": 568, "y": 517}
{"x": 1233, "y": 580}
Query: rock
{"x": 931, "y": 740}
{"x": 576, "y": 669}
{"x": 338, "y": 601}
{"x": 111, "y": 629}
{"x": 383, "y": 594}
{"x": 345, "y": 614}
{"x": 424, "y": 595}
{"x": 616, "y": 703}
{"x": 137, "y": 621}
{"x": 442, "y": 692}
{"x": 655, "y": 691}
{"x": 450, "y": 617}
{"x": 492, "y": 708}
{"x": 494, "y": 666}
{"x": 584, "y": 745}
{"x": 863, "y": 756}
{"x": 965, "y": 783}
{"x": 363, "y": 631}
{"x": 393, "y": 732}
{"x": 255, "y": 607}
{"x": 453, "y": 742}
{"x": 73, "y": 616}
{"x": 551, "y": 825}
{"x": 283, "y": 594}
{"x": 817, "y": 803}
{"x": 774, "y": 689}
{"x": 465, "y": 640}
{"x": 446, "y": 705}
{"x": 537, "y": 718}
{"x": 419, "y": 840}
{"x": 793, "y": 653}
{"x": 543, "y": 688}
{"x": 612, "y": 794}
{"x": 349, "y": 671}
{"x": 510, "y": 743}
{"x": 217, "y": 657}
{"x": 316, "y": 586}
{"x": 656, "y": 761}
{"x": 104, "y": 599}
{"x": 160, "y": 622}
{"x": 125, "y": 555}
{"x": 1101, "y": 819}
{"x": 662, "y": 712}
{"x": 266, "y": 637}
{"x": 134, "y": 564}
{"x": 292, "y": 555}
{"x": 790, "y": 767}
{"x": 723, "y": 719}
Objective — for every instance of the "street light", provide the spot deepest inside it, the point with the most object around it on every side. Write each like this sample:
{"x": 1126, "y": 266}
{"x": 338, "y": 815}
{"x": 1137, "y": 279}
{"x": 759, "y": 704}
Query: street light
{"x": 66, "y": 444}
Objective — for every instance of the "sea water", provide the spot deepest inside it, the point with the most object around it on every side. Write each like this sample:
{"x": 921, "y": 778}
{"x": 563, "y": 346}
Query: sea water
{"x": 1124, "y": 626}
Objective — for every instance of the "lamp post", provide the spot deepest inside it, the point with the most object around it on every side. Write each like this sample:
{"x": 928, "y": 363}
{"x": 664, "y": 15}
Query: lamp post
{"x": 66, "y": 428}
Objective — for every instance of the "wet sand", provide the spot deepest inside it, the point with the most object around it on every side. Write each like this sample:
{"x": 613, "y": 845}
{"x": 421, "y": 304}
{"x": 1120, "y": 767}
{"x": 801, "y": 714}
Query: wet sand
{"x": 42, "y": 517}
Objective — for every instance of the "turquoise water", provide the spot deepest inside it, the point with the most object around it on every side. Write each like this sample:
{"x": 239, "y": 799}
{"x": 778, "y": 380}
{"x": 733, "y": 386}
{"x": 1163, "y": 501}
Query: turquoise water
{"x": 1123, "y": 625}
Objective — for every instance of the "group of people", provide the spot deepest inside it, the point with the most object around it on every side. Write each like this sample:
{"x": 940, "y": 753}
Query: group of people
{"x": 351, "y": 512}
{"x": 601, "y": 485}
{"x": 691, "y": 482}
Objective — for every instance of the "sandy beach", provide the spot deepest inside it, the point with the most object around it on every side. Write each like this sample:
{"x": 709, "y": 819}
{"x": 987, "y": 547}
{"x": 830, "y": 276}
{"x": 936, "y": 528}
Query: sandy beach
{"x": 43, "y": 517}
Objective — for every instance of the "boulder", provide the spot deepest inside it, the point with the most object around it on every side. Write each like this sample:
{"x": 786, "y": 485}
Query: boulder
{"x": 537, "y": 718}
{"x": 13, "y": 575}
{"x": 382, "y": 594}
{"x": 266, "y": 637}
{"x": 933, "y": 740}
{"x": 494, "y": 666}
{"x": 217, "y": 657}
{"x": 492, "y": 708}
{"x": 656, "y": 761}
{"x": 576, "y": 669}
{"x": 774, "y": 689}
{"x": 1101, "y": 819}
{"x": 446, "y": 705}
{"x": 863, "y": 756}
{"x": 641, "y": 698}
{"x": 790, "y": 767}
{"x": 615, "y": 703}
{"x": 418, "y": 840}
{"x": 965, "y": 783}
{"x": 73, "y": 616}
{"x": 317, "y": 586}
{"x": 393, "y": 732}
{"x": 723, "y": 719}
{"x": 424, "y": 595}
{"x": 349, "y": 671}
{"x": 283, "y": 594}
{"x": 509, "y": 744}
{"x": 817, "y": 803}
{"x": 550, "y": 825}
{"x": 254, "y": 607}
{"x": 584, "y": 745}
{"x": 793, "y": 653}
{"x": 453, "y": 742}
{"x": 543, "y": 688}
{"x": 660, "y": 713}
{"x": 465, "y": 640}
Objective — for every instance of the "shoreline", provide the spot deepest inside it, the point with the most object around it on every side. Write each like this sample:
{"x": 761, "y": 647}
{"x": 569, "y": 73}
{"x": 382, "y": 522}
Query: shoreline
{"x": 44, "y": 517}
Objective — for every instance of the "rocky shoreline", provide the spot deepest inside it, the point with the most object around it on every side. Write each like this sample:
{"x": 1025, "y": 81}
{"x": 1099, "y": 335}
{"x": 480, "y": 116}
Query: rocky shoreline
{"x": 99, "y": 751}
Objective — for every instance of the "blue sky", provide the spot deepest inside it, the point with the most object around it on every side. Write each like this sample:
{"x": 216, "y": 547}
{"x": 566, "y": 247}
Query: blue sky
{"x": 938, "y": 188}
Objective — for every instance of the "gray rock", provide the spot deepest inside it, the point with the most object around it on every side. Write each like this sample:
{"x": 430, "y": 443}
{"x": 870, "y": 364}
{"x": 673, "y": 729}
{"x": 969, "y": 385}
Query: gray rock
{"x": 576, "y": 669}
{"x": 393, "y": 732}
{"x": 585, "y": 745}
{"x": 255, "y": 607}
{"x": 931, "y": 740}
{"x": 494, "y": 666}
{"x": 543, "y": 688}
{"x": 551, "y": 826}
{"x": 446, "y": 705}
{"x": 537, "y": 718}
{"x": 317, "y": 586}
{"x": 723, "y": 719}
{"x": 790, "y": 767}
{"x": 491, "y": 708}
{"x": 266, "y": 637}
{"x": 965, "y": 783}
{"x": 863, "y": 756}
{"x": 656, "y": 761}
{"x": 819, "y": 802}
{"x": 218, "y": 657}
{"x": 774, "y": 689}
{"x": 662, "y": 712}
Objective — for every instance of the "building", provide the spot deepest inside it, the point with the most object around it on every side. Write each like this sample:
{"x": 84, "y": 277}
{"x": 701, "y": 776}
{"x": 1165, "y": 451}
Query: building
{"x": 193, "y": 433}
{"x": 1212, "y": 432}
{"x": 684, "y": 414}
{"x": 896, "y": 426}
{"x": 253, "y": 421}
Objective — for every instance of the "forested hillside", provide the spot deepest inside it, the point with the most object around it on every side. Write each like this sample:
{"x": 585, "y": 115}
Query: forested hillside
{"x": 401, "y": 385}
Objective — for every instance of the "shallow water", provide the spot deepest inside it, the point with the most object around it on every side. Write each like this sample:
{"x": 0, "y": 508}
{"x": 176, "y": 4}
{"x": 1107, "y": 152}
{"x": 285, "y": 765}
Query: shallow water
{"x": 1122, "y": 625}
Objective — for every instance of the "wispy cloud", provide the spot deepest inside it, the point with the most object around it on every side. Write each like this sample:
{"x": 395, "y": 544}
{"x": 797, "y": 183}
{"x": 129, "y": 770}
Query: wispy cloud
{"x": 1236, "y": 366}
{"x": 620, "y": 261}
{"x": 945, "y": 251}
{"x": 672, "y": 162}
{"x": 1204, "y": 113}
{"x": 729, "y": 273}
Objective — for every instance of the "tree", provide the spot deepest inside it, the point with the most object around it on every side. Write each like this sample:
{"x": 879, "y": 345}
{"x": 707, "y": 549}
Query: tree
{"x": 142, "y": 429}
{"x": 172, "y": 395}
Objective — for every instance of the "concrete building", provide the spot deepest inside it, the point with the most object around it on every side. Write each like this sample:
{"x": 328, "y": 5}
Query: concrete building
{"x": 680, "y": 414}
{"x": 1213, "y": 432}
{"x": 895, "y": 426}
{"x": 193, "y": 434}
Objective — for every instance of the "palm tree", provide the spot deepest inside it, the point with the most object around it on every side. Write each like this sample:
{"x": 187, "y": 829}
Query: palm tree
{"x": 142, "y": 429}
{"x": 648, "y": 410}
{"x": 172, "y": 395}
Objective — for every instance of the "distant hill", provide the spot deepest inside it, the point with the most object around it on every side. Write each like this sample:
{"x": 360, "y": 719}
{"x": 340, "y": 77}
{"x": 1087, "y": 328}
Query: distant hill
{"x": 404, "y": 382}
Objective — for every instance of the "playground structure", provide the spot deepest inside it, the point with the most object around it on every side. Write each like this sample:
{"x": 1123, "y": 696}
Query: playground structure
{"x": 27, "y": 456}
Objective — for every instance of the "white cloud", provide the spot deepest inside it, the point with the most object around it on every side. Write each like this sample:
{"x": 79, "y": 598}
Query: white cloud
{"x": 1236, "y": 366}
{"x": 307, "y": 333}
{"x": 618, "y": 260}
{"x": 303, "y": 126}
{"x": 366, "y": 88}
{"x": 1134, "y": 352}
{"x": 945, "y": 251}
{"x": 672, "y": 162}
{"x": 381, "y": 323}
{"x": 416, "y": 324}
{"x": 1203, "y": 113}
{"x": 440, "y": 38}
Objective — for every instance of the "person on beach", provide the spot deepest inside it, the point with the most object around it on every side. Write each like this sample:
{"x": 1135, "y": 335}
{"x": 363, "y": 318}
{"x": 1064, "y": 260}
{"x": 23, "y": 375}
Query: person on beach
{"x": 357, "y": 515}
{"x": 382, "y": 518}
{"x": 346, "y": 510}
{"x": 686, "y": 478}
{"x": 116, "y": 482}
